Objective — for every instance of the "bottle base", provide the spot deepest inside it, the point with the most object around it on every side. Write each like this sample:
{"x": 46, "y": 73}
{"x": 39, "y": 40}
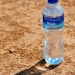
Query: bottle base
{"x": 53, "y": 61}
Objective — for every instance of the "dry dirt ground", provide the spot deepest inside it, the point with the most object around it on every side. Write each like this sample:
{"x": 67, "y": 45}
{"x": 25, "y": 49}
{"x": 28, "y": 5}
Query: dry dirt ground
{"x": 21, "y": 38}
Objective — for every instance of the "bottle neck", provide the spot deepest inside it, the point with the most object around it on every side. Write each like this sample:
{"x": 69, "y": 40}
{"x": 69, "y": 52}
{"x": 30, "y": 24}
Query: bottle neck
{"x": 52, "y": 5}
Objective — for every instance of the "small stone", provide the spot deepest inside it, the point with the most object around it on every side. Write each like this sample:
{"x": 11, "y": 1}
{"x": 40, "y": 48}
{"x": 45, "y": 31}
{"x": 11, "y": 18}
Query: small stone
{"x": 11, "y": 50}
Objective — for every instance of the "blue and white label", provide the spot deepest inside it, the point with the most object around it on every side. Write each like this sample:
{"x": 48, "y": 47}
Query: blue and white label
{"x": 53, "y": 23}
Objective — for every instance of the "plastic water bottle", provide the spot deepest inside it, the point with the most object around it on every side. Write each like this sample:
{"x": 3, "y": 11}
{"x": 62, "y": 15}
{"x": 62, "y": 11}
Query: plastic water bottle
{"x": 53, "y": 26}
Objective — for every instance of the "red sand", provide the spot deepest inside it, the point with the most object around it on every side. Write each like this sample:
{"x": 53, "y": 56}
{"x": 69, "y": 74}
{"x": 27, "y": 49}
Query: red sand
{"x": 21, "y": 37}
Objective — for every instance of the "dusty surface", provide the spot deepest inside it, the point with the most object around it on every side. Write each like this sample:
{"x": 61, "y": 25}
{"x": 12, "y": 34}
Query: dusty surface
{"x": 21, "y": 37}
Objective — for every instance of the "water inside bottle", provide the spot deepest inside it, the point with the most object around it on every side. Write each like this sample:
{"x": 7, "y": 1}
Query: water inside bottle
{"x": 54, "y": 46}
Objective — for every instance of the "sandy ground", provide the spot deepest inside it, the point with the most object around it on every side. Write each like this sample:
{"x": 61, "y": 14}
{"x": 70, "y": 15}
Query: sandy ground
{"x": 21, "y": 38}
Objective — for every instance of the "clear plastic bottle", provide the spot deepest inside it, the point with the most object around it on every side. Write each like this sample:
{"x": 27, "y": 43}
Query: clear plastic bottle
{"x": 53, "y": 26}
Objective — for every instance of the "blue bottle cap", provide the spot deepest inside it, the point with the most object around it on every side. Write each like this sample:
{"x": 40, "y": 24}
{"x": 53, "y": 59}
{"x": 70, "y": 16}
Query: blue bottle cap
{"x": 52, "y": 1}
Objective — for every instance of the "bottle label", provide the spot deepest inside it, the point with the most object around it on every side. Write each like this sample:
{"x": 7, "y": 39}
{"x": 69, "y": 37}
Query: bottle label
{"x": 53, "y": 23}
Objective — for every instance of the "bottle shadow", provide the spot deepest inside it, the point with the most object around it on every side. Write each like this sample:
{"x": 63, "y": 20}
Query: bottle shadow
{"x": 38, "y": 69}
